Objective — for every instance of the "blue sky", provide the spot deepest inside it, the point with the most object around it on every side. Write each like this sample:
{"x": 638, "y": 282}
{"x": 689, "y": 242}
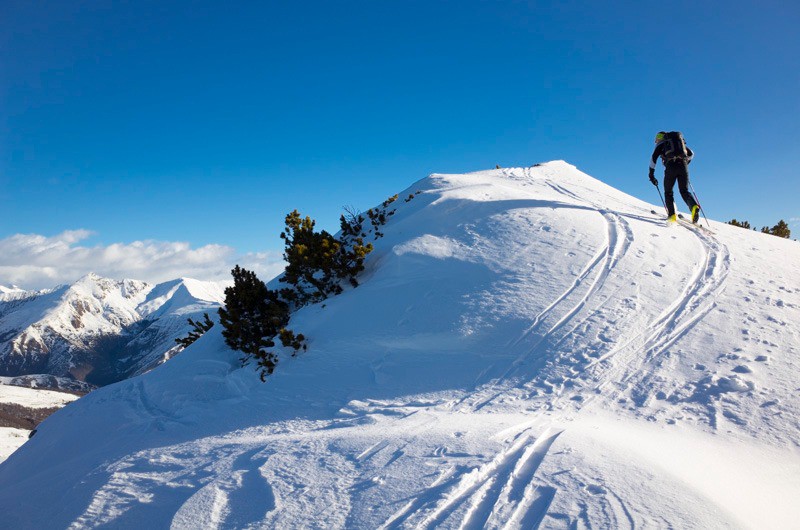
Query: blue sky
{"x": 205, "y": 123}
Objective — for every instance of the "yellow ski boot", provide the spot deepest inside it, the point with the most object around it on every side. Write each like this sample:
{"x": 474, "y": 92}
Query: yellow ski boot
{"x": 695, "y": 213}
{"x": 672, "y": 220}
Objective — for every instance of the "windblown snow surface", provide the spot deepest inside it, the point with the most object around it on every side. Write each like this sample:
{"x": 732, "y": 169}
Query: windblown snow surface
{"x": 528, "y": 348}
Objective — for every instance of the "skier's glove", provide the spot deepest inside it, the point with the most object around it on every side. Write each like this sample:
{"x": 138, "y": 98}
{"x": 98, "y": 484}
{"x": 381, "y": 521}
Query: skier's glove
{"x": 652, "y": 176}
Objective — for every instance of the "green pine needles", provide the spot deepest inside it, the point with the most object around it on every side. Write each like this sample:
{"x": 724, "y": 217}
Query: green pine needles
{"x": 318, "y": 265}
{"x": 781, "y": 229}
{"x": 198, "y": 329}
{"x": 740, "y": 224}
{"x": 253, "y": 315}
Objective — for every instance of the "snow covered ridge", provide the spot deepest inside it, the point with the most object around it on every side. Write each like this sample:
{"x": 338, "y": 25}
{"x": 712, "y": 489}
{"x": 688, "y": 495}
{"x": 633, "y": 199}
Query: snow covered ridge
{"x": 10, "y": 290}
{"x": 528, "y": 348}
{"x": 97, "y": 329}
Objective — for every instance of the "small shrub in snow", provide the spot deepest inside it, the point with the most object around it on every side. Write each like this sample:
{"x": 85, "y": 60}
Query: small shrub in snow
{"x": 317, "y": 262}
{"x": 379, "y": 216}
{"x": 781, "y": 230}
{"x": 253, "y": 315}
{"x": 290, "y": 340}
{"x": 351, "y": 223}
{"x": 740, "y": 224}
{"x": 411, "y": 196}
{"x": 198, "y": 329}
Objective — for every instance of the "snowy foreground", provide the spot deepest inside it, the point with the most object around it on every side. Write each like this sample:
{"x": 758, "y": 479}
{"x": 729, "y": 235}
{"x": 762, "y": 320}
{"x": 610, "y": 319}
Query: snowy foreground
{"x": 528, "y": 348}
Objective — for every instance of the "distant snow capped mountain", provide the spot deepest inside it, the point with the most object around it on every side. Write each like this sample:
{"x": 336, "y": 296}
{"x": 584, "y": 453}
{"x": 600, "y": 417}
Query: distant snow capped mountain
{"x": 98, "y": 330}
{"x": 10, "y": 290}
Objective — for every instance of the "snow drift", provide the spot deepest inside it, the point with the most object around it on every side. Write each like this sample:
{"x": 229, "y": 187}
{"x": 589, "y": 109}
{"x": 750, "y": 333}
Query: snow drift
{"x": 528, "y": 347}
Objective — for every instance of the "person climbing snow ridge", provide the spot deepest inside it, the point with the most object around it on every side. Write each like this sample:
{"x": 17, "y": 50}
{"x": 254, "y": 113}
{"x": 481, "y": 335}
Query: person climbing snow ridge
{"x": 675, "y": 156}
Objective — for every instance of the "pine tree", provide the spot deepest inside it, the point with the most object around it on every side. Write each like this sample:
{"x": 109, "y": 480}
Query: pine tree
{"x": 198, "y": 329}
{"x": 350, "y": 259}
{"x": 317, "y": 262}
{"x": 253, "y": 315}
{"x": 781, "y": 230}
{"x": 742, "y": 224}
{"x": 309, "y": 256}
{"x": 317, "y": 266}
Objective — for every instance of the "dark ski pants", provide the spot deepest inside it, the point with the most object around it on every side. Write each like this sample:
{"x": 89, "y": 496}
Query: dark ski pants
{"x": 678, "y": 172}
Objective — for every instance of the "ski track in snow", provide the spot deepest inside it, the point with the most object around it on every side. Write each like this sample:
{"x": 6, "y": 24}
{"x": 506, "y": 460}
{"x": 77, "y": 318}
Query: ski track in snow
{"x": 499, "y": 494}
{"x": 614, "y": 248}
{"x": 696, "y": 301}
{"x": 632, "y": 355}
{"x": 632, "y": 352}
{"x": 619, "y": 237}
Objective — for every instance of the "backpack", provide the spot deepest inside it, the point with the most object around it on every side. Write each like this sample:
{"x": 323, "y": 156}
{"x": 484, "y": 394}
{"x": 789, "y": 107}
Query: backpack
{"x": 675, "y": 149}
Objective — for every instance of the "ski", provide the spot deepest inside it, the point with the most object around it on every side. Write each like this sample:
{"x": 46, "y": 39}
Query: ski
{"x": 680, "y": 215}
{"x": 693, "y": 226}
{"x": 683, "y": 221}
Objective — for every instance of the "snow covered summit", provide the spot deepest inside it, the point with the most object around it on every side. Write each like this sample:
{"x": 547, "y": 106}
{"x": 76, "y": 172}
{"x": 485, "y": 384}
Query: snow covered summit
{"x": 528, "y": 348}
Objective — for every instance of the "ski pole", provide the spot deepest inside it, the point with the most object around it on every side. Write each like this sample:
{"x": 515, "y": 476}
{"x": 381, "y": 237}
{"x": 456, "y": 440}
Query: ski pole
{"x": 697, "y": 200}
{"x": 664, "y": 204}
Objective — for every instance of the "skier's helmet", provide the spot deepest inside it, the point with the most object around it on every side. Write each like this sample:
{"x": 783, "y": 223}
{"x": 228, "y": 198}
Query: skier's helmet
{"x": 660, "y": 136}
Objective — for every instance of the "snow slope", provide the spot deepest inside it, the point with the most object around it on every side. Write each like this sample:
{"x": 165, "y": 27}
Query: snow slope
{"x": 11, "y": 439}
{"x": 528, "y": 348}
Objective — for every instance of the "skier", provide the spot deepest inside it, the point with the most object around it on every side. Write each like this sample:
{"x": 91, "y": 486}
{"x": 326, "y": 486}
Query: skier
{"x": 676, "y": 157}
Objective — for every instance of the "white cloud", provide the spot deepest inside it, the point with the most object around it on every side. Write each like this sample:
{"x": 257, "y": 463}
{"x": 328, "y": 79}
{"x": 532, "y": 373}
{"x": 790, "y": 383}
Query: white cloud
{"x": 34, "y": 261}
